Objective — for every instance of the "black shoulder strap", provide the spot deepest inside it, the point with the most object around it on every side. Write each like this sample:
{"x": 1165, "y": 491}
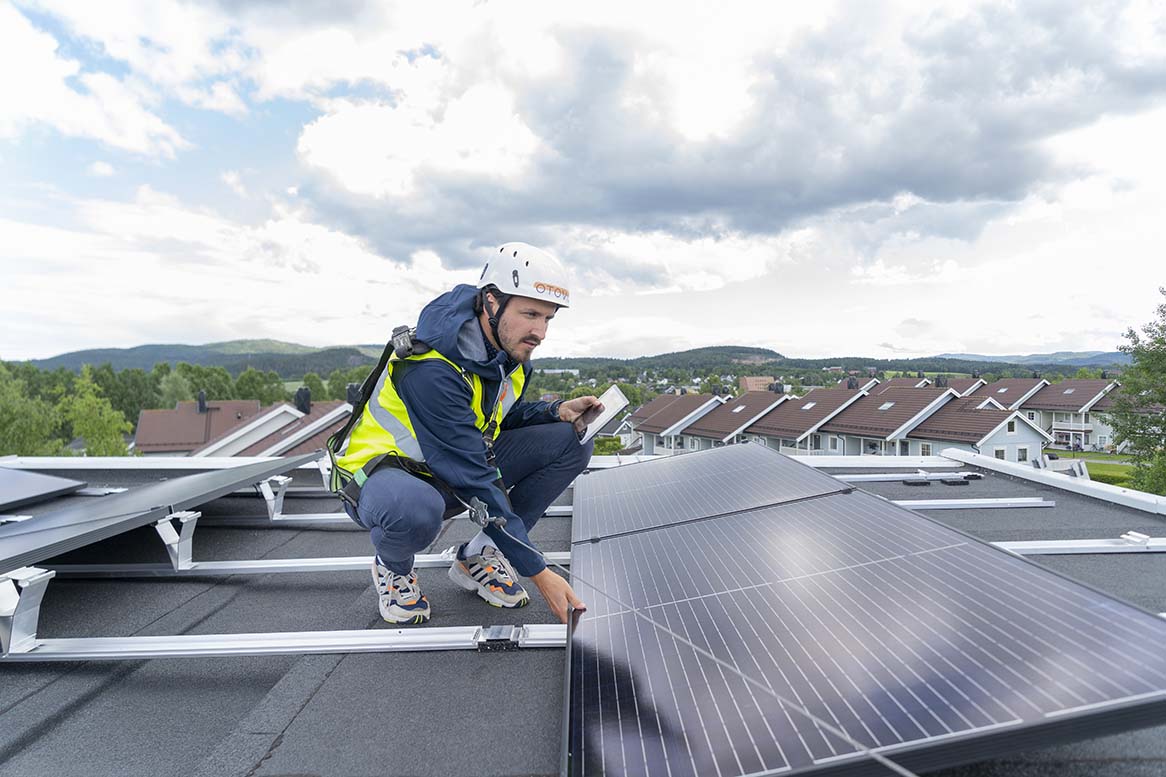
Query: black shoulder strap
{"x": 336, "y": 441}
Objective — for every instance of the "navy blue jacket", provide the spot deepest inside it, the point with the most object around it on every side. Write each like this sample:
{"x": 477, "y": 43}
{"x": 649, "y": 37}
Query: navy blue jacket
{"x": 440, "y": 407}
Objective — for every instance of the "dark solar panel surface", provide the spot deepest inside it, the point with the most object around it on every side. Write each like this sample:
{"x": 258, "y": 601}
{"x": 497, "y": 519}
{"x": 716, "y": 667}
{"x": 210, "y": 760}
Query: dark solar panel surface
{"x": 905, "y": 634}
{"x": 688, "y": 487}
{"x": 19, "y": 488}
{"x": 82, "y": 523}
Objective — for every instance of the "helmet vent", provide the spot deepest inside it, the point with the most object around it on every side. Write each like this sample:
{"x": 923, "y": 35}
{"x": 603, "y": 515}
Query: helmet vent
{"x": 515, "y": 254}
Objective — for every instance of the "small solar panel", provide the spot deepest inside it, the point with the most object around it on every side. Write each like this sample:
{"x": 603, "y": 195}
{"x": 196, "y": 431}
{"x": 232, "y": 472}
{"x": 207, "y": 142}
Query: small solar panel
{"x": 689, "y": 487}
{"x": 80, "y": 524}
{"x": 909, "y": 636}
{"x": 19, "y": 488}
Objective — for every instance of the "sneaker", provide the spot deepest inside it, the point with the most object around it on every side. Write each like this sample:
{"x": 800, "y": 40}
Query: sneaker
{"x": 401, "y": 600}
{"x": 491, "y": 577}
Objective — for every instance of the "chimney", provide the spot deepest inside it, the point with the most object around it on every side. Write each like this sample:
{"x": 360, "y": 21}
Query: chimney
{"x": 1035, "y": 375}
{"x": 1105, "y": 374}
{"x": 304, "y": 400}
{"x": 852, "y": 383}
{"x": 941, "y": 381}
{"x": 919, "y": 374}
{"x": 201, "y": 401}
{"x": 976, "y": 375}
{"x": 352, "y": 394}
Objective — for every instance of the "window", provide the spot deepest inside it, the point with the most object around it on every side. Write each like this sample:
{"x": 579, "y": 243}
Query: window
{"x": 1068, "y": 391}
{"x": 999, "y": 453}
{"x": 1102, "y": 440}
{"x": 808, "y": 405}
{"x": 886, "y": 405}
{"x": 738, "y": 408}
{"x": 924, "y": 449}
{"x": 1012, "y": 427}
{"x": 833, "y": 443}
{"x": 1002, "y": 390}
{"x": 1022, "y": 453}
{"x": 1031, "y": 415}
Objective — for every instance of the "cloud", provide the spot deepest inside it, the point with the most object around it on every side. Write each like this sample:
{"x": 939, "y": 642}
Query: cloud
{"x": 53, "y": 90}
{"x": 101, "y": 169}
{"x": 234, "y": 182}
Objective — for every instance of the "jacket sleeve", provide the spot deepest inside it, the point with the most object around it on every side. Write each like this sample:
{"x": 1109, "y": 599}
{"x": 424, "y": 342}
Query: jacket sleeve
{"x": 439, "y": 403}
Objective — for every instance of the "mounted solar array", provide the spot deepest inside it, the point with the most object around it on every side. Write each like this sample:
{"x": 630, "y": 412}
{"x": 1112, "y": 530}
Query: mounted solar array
{"x": 18, "y": 489}
{"x": 81, "y": 524}
{"x": 690, "y": 487}
{"x": 911, "y": 638}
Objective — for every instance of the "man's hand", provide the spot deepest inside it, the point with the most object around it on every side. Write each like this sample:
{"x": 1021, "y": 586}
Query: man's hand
{"x": 558, "y": 593}
{"x": 580, "y": 411}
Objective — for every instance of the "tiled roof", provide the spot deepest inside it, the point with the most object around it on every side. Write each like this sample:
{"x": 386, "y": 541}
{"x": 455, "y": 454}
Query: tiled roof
{"x": 961, "y": 385}
{"x": 648, "y": 409}
{"x": 319, "y": 410}
{"x": 1070, "y": 395}
{"x": 898, "y": 405}
{"x": 674, "y": 412}
{"x": 794, "y": 417}
{"x": 897, "y": 383}
{"x": 1007, "y": 391}
{"x": 184, "y": 428}
{"x": 961, "y": 421}
{"x": 732, "y": 415}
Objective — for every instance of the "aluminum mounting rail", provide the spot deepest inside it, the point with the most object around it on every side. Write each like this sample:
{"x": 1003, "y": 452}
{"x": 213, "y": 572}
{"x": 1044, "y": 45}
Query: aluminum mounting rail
{"x": 177, "y": 534}
{"x": 889, "y": 477}
{"x": 1130, "y": 542}
{"x": 22, "y": 591}
{"x": 974, "y": 504}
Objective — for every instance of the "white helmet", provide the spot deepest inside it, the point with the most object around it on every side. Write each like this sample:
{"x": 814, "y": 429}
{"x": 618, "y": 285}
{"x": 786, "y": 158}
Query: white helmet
{"x": 523, "y": 270}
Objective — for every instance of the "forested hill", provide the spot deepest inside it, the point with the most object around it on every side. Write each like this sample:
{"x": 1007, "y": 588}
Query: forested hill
{"x": 292, "y": 361}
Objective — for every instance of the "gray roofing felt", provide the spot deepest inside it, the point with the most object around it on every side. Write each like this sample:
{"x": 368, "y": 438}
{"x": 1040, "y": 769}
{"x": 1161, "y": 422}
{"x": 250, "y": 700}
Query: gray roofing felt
{"x": 409, "y": 713}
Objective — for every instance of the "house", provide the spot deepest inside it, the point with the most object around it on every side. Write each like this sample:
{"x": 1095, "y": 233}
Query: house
{"x": 660, "y": 421}
{"x": 1011, "y": 392}
{"x": 190, "y": 425}
{"x": 878, "y": 424}
{"x": 793, "y": 426}
{"x": 899, "y": 383}
{"x": 979, "y": 425}
{"x": 726, "y": 423}
{"x": 749, "y": 383}
{"x": 1065, "y": 410}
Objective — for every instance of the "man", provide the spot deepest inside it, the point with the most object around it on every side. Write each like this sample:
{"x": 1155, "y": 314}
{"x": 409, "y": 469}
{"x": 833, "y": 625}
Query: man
{"x": 449, "y": 424}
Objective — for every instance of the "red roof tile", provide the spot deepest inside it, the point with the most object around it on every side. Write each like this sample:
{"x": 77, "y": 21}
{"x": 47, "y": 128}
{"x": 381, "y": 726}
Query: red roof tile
{"x": 1070, "y": 395}
{"x": 961, "y": 421}
{"x": 184, "y": 429}
{"x": 672, "y": 413}
{"x": 731, "y": 416}
{"x": 794, "y": 417}
{"x": 872, "y": 416}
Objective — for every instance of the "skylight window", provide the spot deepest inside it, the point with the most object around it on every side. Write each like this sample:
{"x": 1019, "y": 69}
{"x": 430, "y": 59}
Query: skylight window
{"x": 1001, "y": 390}
{"x": 808, "y": 405}
{"x": 1069, "y": 391}
{"x": 886, "y": 405}
{"x": 738, "y": 409}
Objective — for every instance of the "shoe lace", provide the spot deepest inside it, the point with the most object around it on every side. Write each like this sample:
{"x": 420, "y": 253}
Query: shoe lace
{"x": 501, "y": 564}
{"x": 406, "y": 586}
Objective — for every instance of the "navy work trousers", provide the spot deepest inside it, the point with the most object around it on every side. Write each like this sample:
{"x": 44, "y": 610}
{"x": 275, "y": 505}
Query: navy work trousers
{"x": 404, "y": 513}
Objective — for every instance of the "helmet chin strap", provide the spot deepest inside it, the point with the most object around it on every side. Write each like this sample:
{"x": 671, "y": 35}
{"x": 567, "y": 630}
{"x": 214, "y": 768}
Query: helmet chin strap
{"x": 503, "y": 300}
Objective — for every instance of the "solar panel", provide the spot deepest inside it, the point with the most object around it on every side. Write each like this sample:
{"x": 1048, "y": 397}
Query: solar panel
{"x": 80, "y": 524}
{"x": 19, "y": 488}
{"x": 690, "y": 487}
{"x": 909, "y": 636}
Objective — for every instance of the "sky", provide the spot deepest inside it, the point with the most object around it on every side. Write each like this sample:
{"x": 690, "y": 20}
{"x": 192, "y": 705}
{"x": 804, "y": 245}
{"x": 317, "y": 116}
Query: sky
{"x": 823, "y": 179}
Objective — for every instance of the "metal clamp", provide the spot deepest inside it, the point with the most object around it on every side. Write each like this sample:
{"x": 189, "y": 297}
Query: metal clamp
{"x": 21, "y": 593}
{"x": 274, "y": 498}
{"x": 179, "y": 543}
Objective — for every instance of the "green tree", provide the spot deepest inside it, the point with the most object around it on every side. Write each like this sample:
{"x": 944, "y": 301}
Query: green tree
{"x": 1084, "y": 373}
{"x": 316, "y": 385}
{"x": 93, "y": 418}
{"x": 267, "y": 387}
{"x": 27, "y": 424}
{"x": 606, "y": 446}
{"x": 174, "y": 389}
{"x": 1139, "y": 412}
{"x": 337, "y": 383}
{"x": 215, "y": 381}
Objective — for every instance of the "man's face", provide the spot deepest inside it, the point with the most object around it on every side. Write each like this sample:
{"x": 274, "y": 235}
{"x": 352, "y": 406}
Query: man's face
{"x": 524, "y": 325}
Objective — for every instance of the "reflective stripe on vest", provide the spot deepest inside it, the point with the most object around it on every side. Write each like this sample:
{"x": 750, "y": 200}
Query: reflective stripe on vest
{"x": 385, "y": 426}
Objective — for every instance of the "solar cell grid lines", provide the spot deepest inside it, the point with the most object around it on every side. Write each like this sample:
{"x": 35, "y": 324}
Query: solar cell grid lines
{"x": 908, "y": 636}
{"x": 689, "y": 487}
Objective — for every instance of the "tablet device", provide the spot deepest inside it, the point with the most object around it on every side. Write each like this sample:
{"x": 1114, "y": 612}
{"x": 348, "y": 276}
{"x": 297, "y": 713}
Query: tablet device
{"x": 613, "y": 403}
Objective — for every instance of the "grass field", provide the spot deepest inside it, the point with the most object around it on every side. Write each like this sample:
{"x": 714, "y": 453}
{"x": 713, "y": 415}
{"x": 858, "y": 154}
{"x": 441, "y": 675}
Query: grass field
{"x": 1114, "y": 457}
{"x": 1114, "y": 474}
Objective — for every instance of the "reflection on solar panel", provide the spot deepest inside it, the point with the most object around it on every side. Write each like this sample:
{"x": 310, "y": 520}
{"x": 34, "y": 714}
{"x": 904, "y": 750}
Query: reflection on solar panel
{"x": 18, "y": 488}
{"x": 77, "y": 525}
{"x": 908, "y": 636}
{"x": 689, "y": 487}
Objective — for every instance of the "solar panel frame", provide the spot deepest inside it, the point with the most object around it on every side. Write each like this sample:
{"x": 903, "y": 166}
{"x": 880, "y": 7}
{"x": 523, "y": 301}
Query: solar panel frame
{"x": 80, "y": 524}
{"x": 19, "y": 488}
{"x": 594, "y": 492}
{"x": 921, "y": 755}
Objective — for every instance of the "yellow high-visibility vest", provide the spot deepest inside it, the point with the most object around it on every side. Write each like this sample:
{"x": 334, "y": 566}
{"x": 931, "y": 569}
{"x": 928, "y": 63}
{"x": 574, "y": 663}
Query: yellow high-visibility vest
{"x": 385, "y": 427}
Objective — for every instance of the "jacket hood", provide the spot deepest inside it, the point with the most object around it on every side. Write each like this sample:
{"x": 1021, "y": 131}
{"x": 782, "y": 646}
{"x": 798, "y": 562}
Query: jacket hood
{"x": 449, "y": 325}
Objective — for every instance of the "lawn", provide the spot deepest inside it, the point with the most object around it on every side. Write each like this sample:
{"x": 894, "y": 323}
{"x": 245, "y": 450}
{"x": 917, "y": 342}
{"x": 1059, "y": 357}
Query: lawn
{"x": 1096, "y": 455}
{"x": 1114, "y": 474}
